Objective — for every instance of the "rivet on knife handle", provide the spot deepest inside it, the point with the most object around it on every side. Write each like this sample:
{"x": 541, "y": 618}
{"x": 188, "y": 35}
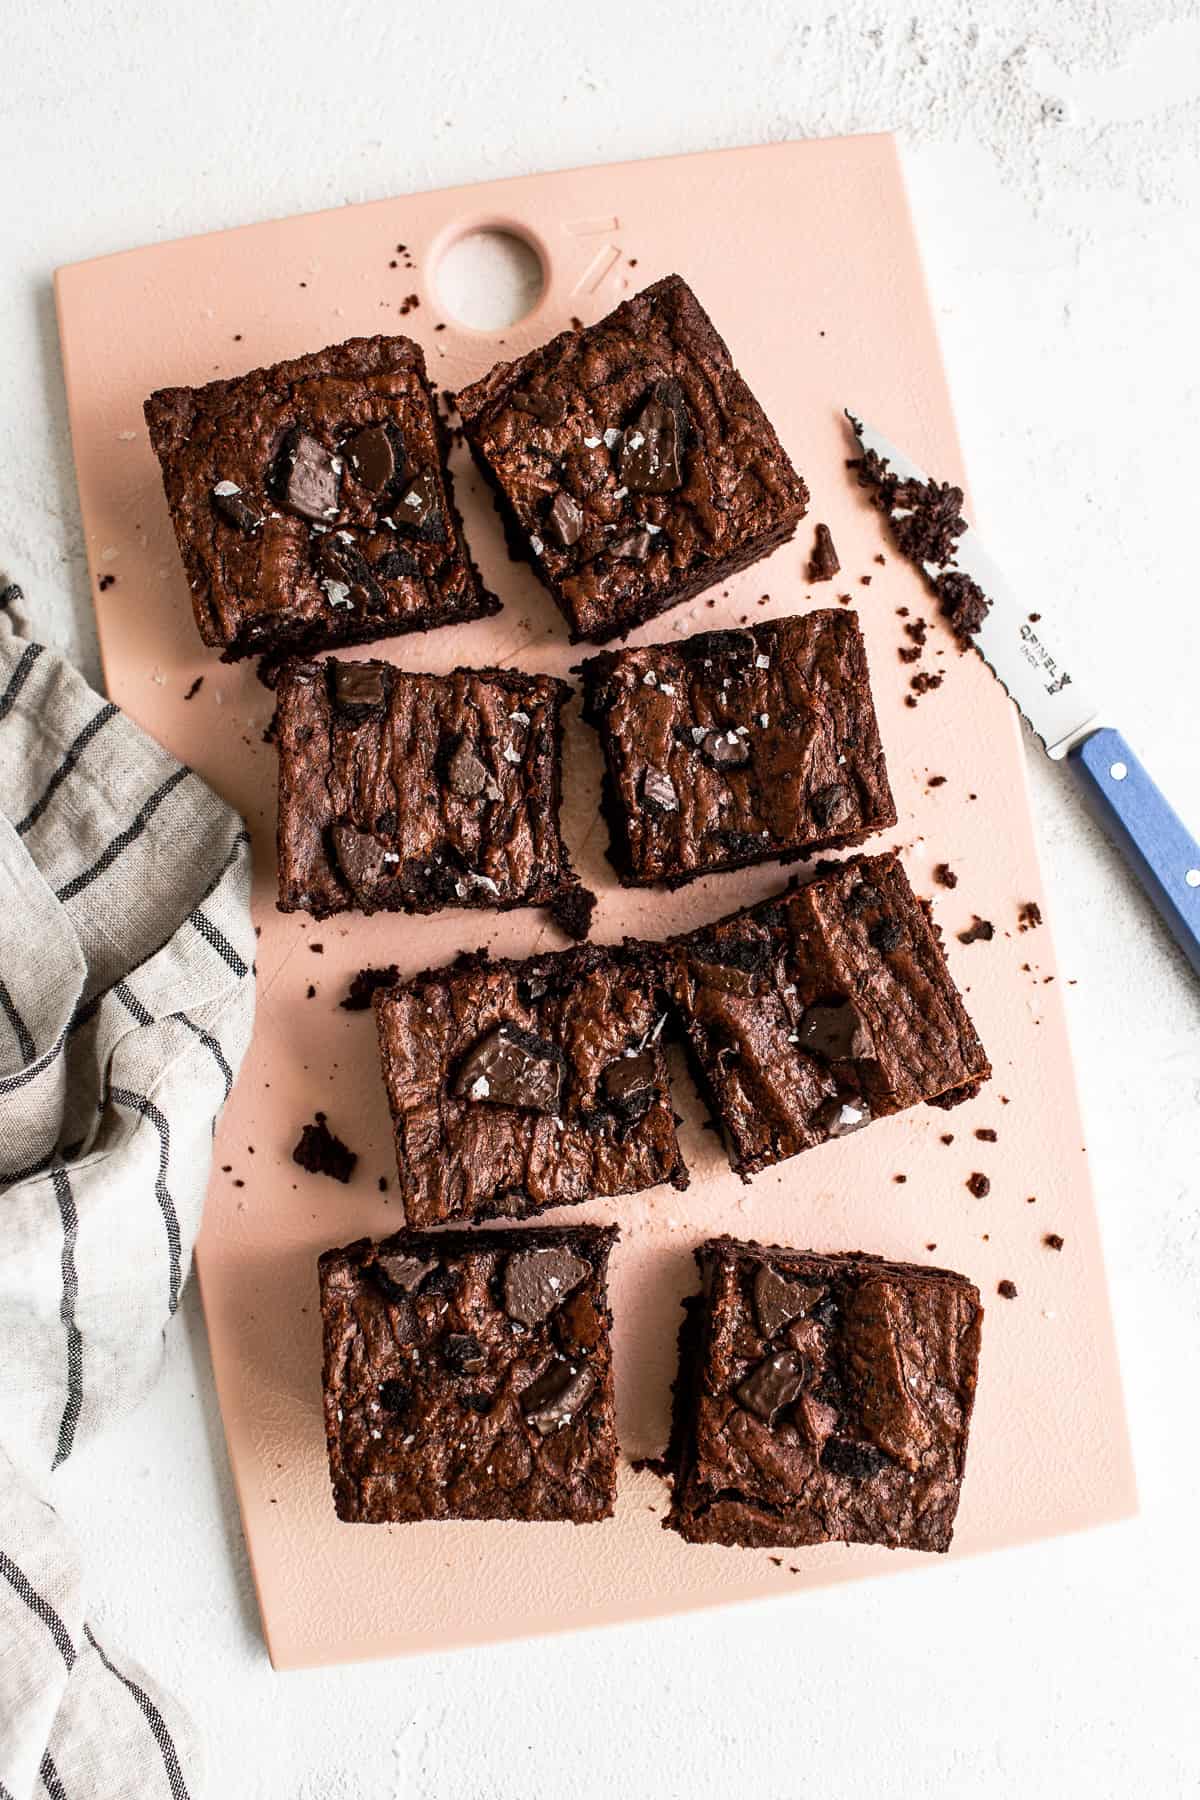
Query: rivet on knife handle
{"x": 1152, "y": 838}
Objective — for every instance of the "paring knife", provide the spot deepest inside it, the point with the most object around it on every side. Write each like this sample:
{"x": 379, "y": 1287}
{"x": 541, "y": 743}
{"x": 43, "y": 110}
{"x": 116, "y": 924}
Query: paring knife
{"x": 1154, "y": 841}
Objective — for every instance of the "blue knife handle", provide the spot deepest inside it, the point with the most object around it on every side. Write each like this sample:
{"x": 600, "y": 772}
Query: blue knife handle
{"x": 1156, "y": 844}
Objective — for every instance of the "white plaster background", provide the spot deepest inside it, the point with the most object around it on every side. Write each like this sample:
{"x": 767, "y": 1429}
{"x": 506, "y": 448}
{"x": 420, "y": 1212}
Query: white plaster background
{"x": 1053, "y": 152}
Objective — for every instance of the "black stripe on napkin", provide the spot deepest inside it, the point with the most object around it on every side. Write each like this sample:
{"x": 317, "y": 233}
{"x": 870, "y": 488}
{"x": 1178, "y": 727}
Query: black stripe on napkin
{"x": 19, "y": 677}
{"x": 66, "y": 1312}
{"x": 96, "y": 723}
{"x": 41, "y": 1609}
{"x": 155, "y": 1720}
{"x": 121, "y": 843}
{"x": 148, "y": 1110}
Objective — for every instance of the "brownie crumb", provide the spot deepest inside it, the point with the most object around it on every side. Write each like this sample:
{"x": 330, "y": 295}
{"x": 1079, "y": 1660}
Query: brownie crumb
{"x": 365, "y": 983}
{"x": 778, "y": 1561}
{"x": 979, "y": 931}
{"x": 979, "y": 1185}
{"x": 195, "y": 688}
{"x": 317, "y": 949}
{"x": 823, "y": 564}
{"x": 909, "y": 653}
{"x": 963, "y": 603}
{"x": 931, "y": 1246}
{"x": 985, "y": 1134}
{"x": 845, "y": 599}
{"x": 571, "y": 909}
{"x": 1052, "y": 1241}
{"x": 657, "y": 1465}
{"x": 866, "y": 580}
{"x": 944, "y": 875}
{"x": 947, "y": 1137}
{"x": 900, "y": 1179}
{"x": 1007, "y": 1289}
{"x": 1029, "y": 915}
{"x": 937, "y": 781}
{"x": 105, "y": 582}
{"x": 408, "y": 304}
{"x": 923, "y": 682}
{"x": 321, "y": 1153}
{"x": 383, "y": 1184}
{"x": 312, "y": 992}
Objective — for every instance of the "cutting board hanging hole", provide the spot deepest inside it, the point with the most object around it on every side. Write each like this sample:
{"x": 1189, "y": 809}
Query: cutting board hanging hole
{"x": 489, "y": 279}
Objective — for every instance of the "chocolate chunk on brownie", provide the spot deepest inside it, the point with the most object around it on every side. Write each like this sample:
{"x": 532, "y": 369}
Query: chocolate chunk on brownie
{"x": 469, "y": 1376}
{"x": 816, "y": 1011}
{"x": 312, "y": 503}
{"x": 515, "y": 1086}
{"x": 735, "y": 746}
{"x": 630, "y": 462}
{"x": 821, "y": 1398}
{"x": 407, "y": 793}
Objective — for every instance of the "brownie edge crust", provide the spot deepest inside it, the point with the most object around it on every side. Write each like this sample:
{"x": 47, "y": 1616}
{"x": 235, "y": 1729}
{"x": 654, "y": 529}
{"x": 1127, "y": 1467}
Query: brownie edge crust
{"x": 821, "y": 1398}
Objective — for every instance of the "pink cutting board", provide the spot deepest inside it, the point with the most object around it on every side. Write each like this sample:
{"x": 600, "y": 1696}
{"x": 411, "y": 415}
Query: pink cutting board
{"x": 805, "y": 256}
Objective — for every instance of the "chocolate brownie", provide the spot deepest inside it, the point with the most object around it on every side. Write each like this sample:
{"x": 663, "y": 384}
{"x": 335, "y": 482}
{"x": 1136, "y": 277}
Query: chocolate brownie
{"x": 821, "y": 1398}
{"x": 468, "y": 1376}
{"x": 632, "y": 465}
{"x": 312, "y": 502}
{"x": 735, "y": 746}
{"x": 407, "y": 793}
{"x": 515, "y": 1086}
{"x": 816, "y": 1011}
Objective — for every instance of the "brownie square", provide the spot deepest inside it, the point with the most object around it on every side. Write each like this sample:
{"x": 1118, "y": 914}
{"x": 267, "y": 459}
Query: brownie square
{"x": 821, "y": 1398}
{"x": 632, "y": 465}
{"x": 468, "y": 1376}
{"x": 735, "y": 746}
{"x": 812, "y": 1013}
{"x": 515, "y": 1086}
{"x": 312, "y": 503}
{"x": 407, "y": 793}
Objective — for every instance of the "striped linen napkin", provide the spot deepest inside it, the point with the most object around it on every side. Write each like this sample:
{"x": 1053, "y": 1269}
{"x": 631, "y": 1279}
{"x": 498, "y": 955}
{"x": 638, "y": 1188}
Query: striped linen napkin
{"x": 126, "y": 1002}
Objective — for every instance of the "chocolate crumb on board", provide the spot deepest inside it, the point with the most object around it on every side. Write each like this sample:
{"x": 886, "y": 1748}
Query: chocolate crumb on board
{"x": 936, "y": 781}
{"x": 1052, "y": 1241}
{"x": 947, "y": 1137}
{"x": 979, "y": 931}
{"x": 979, "y": 1185}
{"x": 1007, "y": 1289}
{"x": 195, "y": 688}
{"x": 931, "y": 1246}
{"x": 105, "y": 582}
{"x": 317, "y": 949}
{"x": 364, "y": 984}
{"x": 320, "y": 1152}
{"x": 657, "y": 1465}
{"x": 384, "y": 1184}
{"x": 865, "y": 580}
{"x": 944, "y": 875}
{"x": 1029, "y": 915}
{"x": 312, "y": 992}
{"x": 985, "y": 1134}
{"x": 823, "y": 564}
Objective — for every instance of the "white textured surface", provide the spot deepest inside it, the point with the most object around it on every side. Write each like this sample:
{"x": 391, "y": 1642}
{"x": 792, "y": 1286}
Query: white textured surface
{"x": 1054, "y": 158}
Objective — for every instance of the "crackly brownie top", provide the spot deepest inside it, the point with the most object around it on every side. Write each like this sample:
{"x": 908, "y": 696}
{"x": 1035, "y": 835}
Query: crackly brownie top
{"x": 630, "y": 453}
{"x": 309, "y": 498}
{"x": 734, "y": 745}
{"x": 814, "y": 1012}
{"x": 418, "y": 791}
{"x": 467, "y": 1375}
{"x": 836, "y": 1386}
{"x": 516, "y": 1086}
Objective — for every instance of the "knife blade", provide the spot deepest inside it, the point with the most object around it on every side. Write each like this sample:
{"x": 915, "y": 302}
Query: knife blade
{"x": 1023, "y": 651}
